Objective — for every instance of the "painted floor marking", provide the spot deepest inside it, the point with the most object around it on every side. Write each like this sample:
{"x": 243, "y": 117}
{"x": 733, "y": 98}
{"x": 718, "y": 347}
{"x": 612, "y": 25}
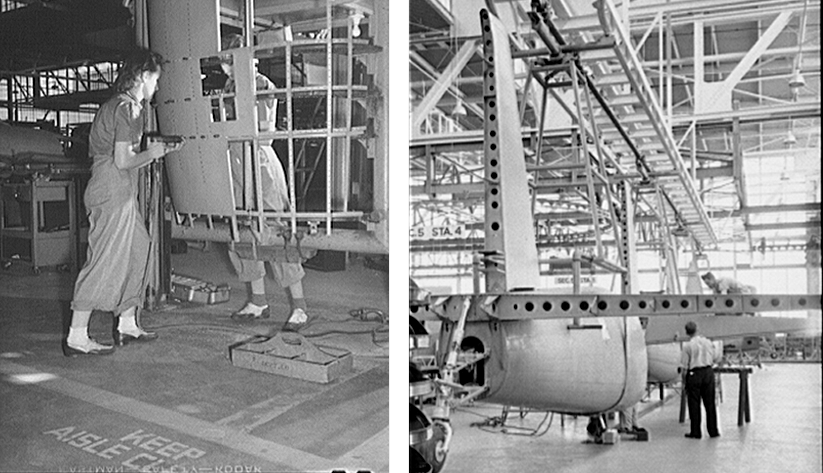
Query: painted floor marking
{"x": 208, "y": 431}
{"x": 266, "y": 410}
{"x": 362, "y": 453}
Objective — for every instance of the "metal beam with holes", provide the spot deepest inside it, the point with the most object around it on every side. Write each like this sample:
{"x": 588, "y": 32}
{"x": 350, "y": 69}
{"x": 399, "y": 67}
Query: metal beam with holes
{"x": 485, "y": 307}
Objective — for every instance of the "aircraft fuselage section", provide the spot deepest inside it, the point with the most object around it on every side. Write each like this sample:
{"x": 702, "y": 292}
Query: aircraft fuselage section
{"x": 593, "y": 367}
{"x": 664, "y": 362}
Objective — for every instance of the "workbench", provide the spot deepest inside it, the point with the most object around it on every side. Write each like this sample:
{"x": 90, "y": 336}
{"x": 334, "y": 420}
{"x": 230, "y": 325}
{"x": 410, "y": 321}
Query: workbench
{"x": 38, "y": 223}
{"x": 744, "y": 413}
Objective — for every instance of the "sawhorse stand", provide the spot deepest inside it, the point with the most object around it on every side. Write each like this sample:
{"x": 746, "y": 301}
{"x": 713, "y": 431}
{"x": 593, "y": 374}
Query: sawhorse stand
{"x": 744, "y": 413}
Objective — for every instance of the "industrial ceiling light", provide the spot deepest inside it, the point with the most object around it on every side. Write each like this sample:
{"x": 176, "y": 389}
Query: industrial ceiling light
{"x": 356, "y": 18}
{"x": 790, "y": 139}
{"x": 680, "y": 231}
{"x": 459, "y": 109}
{"x": 797, "y": 81}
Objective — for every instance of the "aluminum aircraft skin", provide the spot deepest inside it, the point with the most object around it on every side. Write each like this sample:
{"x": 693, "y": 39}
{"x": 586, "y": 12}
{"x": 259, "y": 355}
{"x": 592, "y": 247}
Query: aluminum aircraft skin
{"x": 591, "y": 359}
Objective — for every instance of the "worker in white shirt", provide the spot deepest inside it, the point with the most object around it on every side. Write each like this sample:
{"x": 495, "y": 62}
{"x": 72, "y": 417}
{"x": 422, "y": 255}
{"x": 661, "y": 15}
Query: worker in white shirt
{"x": 697, "y": 359}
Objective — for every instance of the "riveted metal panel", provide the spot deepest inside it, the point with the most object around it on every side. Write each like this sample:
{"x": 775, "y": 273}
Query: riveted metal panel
{"x": 199, "y": 177}
{"x": 184, "y": 28}
{"x": 178, "y": 96}
{"x": 245, "y": 123}
{"x": 199, "y": 173}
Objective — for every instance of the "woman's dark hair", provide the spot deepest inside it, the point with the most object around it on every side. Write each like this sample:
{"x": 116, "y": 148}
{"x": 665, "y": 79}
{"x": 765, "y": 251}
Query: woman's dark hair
{"x": 138, "y": 62}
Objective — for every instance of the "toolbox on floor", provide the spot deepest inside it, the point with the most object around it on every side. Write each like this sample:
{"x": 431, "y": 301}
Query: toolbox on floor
{"x": 291, "y": 354}
{"x": 610, "y": 437}
{"x": 641, "y": 435}
{"x": 187, "y": 288}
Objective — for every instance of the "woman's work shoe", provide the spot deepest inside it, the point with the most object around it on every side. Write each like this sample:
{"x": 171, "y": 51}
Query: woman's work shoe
{"x": 122, "y": 338}
{"x": 298, "y": 320}
{"x": 252, "y": 311}
{"x": 90, "y": 348}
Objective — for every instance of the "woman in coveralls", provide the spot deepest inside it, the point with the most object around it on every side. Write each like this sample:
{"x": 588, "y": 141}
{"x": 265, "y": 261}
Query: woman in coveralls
{"x": 113, "y": 278}
{"x": 287, "y": 269}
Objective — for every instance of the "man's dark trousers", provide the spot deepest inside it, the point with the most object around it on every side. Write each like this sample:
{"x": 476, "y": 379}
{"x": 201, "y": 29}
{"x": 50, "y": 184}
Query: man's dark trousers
{"x": 700, "y": 385}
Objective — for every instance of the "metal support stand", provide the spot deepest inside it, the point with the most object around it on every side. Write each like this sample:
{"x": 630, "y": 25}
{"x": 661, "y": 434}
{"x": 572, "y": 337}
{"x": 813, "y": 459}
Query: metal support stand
{"x": 442, "y": 409}
{"x": 744, "y": 414}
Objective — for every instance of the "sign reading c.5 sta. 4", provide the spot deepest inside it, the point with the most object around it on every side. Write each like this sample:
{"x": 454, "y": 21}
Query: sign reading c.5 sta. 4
{"x": 446, "y": 232}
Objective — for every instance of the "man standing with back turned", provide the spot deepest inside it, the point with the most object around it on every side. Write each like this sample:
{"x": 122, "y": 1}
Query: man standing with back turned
{"x": 697, "y": 359}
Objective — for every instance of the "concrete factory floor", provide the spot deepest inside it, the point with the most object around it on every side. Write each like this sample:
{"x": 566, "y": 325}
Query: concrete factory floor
{"x": 178, "y": 404}
{"x": 784, "y": 435}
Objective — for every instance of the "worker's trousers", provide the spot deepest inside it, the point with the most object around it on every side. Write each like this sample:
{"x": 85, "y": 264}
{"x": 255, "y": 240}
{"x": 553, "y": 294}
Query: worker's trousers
{"x": 700, "y": 386}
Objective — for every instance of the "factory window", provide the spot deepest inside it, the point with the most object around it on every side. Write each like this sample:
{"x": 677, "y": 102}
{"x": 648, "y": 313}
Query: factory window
{"x": 216, "y": 82}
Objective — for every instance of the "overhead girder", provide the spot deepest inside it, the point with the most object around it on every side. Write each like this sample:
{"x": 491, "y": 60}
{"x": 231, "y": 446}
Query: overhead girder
{"x": 535, "y": 306}
{"x": 762, "y": 209}
{"x": 443, "y": 82}
{"x": 683, "y": 12}
{"x": 706, "y": 121}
